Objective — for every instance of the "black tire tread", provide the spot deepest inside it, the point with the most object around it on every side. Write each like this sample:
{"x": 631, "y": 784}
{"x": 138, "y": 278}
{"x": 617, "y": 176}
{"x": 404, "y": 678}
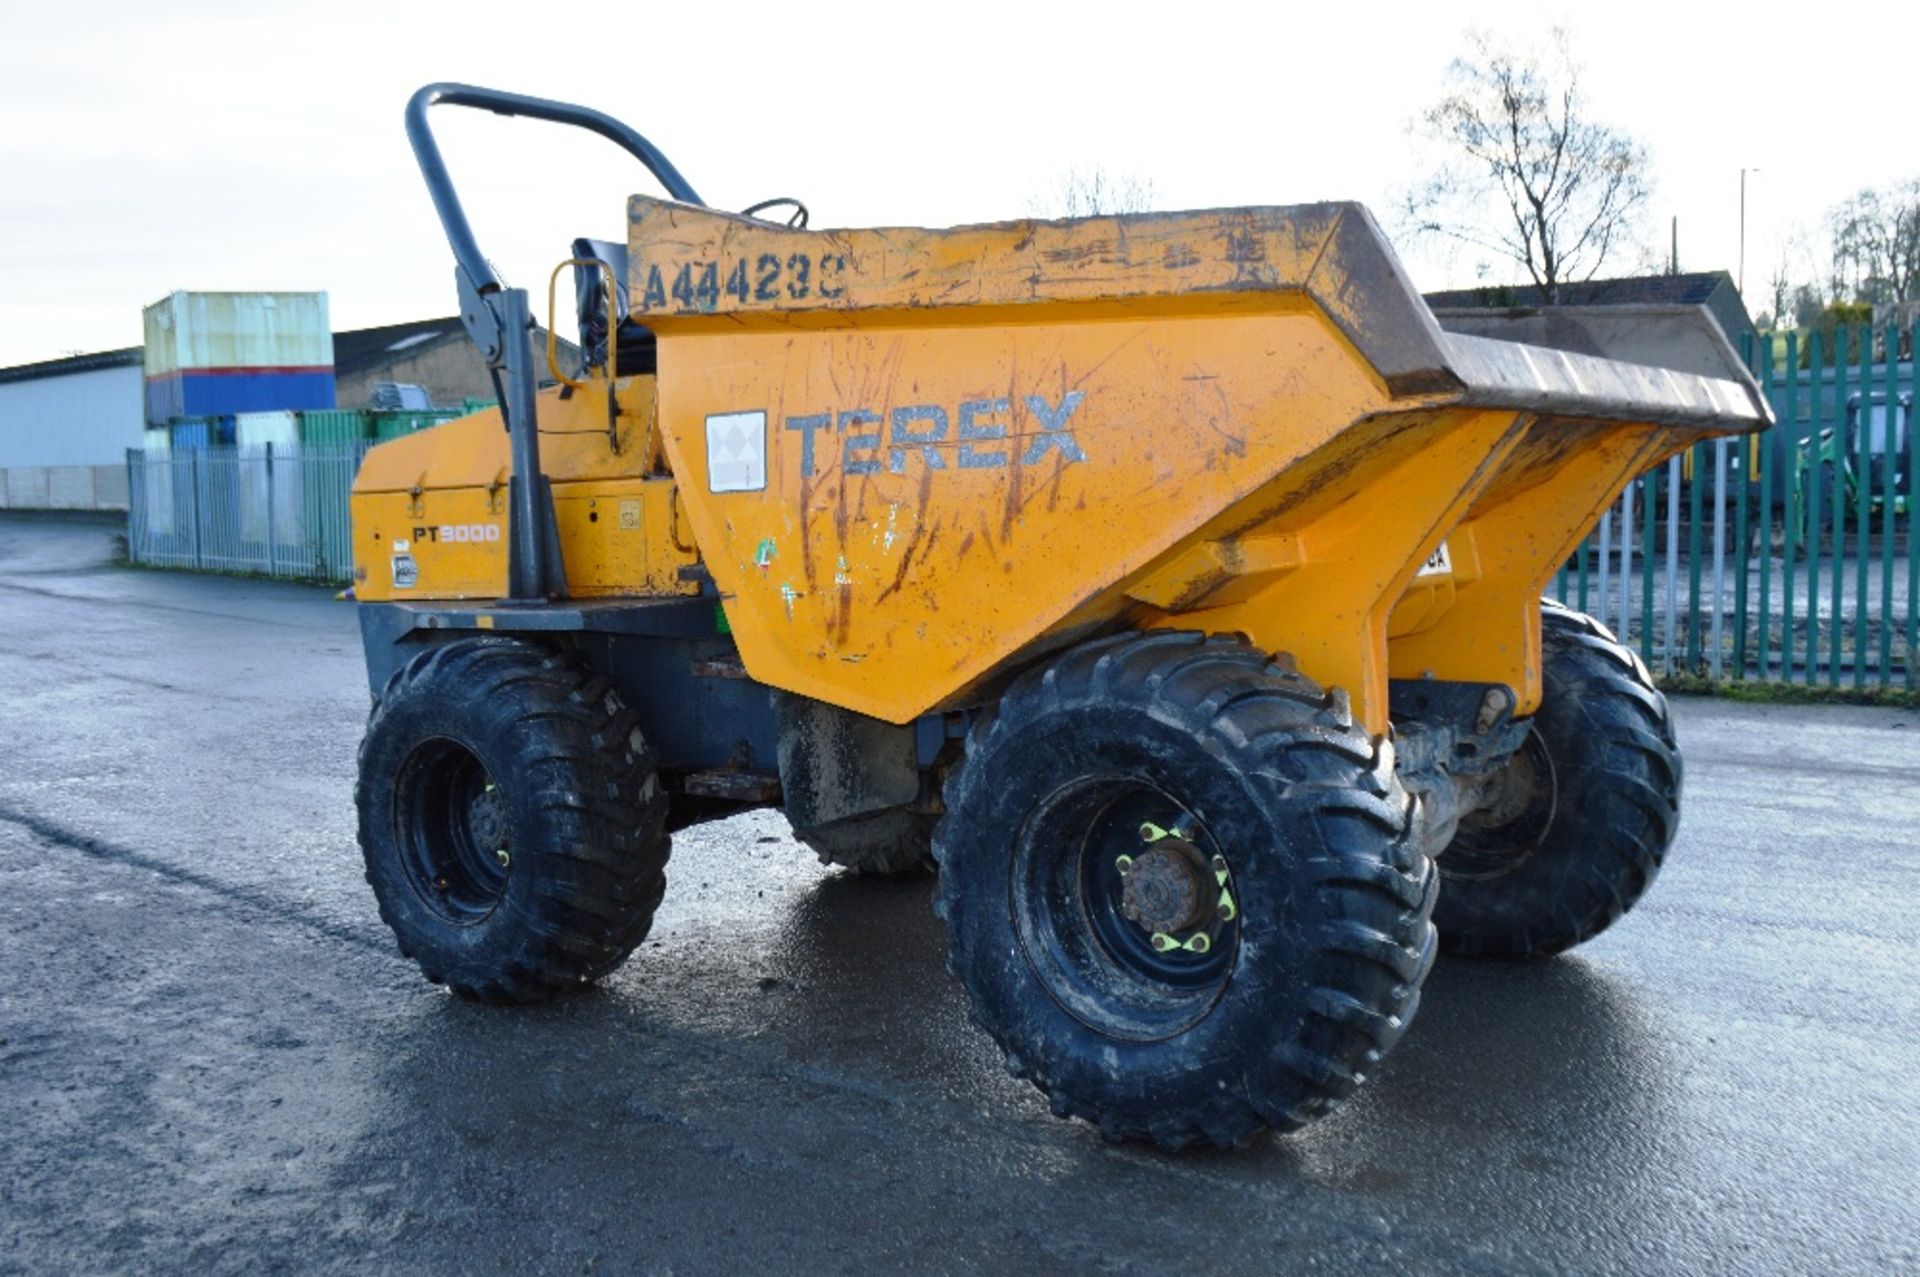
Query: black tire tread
{"x": 1302, "y": 741}
{"x": 597, "y": 885}
{"x": 894, "y": 842}
{"x": 1617, "y": 819}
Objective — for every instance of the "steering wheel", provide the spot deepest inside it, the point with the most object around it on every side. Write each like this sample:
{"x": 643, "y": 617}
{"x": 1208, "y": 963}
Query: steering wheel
{"x": 797, "y": 219}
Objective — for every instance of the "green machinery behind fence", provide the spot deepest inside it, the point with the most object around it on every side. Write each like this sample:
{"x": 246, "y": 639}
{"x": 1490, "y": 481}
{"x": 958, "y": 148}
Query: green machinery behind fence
{"x": 1789, "y": 558}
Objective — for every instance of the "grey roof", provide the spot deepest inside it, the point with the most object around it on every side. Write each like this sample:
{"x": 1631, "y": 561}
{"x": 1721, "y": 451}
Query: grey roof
{"x": 354, "y": 351}
{"x": 362, "y": 348}
{"x": 129, "y": 357}
{"x": 359, "y": 349}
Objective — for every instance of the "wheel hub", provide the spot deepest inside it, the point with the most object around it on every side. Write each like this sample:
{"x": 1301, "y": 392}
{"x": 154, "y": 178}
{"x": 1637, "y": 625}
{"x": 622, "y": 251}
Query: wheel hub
{"x": 487, "y": 818}
{"x": 455, "y": 831}
{"x": 1506, "y": 794}
{"x": 1166, "y": 888}
{"x": 1124, "y": 906}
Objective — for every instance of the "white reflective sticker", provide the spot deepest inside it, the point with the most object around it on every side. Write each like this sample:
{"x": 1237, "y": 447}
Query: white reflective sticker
{"x": 1439, "y": 563}
{"x": 737, "y": 452}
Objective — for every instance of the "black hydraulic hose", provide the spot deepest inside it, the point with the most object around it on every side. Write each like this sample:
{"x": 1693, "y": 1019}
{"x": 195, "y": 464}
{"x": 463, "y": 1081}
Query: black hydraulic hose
{"x": 439, "y": 185}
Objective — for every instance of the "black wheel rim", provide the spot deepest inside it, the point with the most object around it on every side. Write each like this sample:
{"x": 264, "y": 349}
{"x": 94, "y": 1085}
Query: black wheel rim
{"x": 1494, "y": 843}
{"x": 453, "y": 831}
{"x": 1071, "y": 905}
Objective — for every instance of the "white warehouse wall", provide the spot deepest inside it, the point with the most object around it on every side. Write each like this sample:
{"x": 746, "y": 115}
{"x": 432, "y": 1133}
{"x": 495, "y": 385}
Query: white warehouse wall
{"x": 73, "y": 419}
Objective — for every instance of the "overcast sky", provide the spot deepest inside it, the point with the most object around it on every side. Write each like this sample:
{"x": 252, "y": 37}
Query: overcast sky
{"x": 157, "y": 146}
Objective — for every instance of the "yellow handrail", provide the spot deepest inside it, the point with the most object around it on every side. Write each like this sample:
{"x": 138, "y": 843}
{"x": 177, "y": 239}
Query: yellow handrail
{"x": 613, "y": 322}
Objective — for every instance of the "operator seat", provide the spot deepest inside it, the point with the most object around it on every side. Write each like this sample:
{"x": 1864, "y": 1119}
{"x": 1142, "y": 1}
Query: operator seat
{"x": 633, "y": 342}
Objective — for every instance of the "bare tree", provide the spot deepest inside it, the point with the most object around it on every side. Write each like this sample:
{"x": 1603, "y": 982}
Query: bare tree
{"x": 1526, "y": 174}
{"x": 1781, "y": 285}
{"x": 1876, "y": 243}
{"x": 1092, "y": 192}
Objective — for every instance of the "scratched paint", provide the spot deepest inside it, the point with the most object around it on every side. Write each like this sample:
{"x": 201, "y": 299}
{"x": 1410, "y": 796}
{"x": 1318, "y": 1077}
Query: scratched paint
{"x": 764, "y": 552}
{"x": 1078, "y": 412}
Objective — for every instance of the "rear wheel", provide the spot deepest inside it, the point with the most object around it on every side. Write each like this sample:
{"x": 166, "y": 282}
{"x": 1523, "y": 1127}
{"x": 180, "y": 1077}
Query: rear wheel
{"x": 512, "y": 825}
{"x": 897, "y": 840}
{"x": 1581, "y": 817}
{"x": 1180, "y": 892}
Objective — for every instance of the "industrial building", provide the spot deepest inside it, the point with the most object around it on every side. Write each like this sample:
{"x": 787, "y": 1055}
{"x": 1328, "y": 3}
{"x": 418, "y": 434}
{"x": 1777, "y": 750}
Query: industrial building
{"x": 433, "y": 354}
{"x": 66, "y": 424}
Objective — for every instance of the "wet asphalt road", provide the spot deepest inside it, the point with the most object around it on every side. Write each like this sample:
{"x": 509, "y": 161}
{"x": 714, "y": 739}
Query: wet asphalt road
{"x": 211, "y": 1057}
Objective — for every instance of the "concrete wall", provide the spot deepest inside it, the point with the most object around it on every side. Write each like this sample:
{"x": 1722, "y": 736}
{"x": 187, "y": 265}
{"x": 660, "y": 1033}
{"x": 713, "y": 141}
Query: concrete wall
{"x": 449, "y": 368}
{"x": 63, "y": 487}
{"x": 76, "y": 419}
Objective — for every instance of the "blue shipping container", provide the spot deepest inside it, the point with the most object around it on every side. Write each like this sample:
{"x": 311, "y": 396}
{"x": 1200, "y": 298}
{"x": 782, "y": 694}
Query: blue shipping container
{"x": 206, "y": 394}
{"x": 201, "y": 432}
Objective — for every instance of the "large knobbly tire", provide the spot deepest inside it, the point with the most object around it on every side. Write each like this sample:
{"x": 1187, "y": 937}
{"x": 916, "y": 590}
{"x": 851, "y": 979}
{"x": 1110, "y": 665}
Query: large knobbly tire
{"x": 1259, "y": 775}
{"x": 895, "y": 841}
{"x": 1593, "y": 807}
{"x": 511, "y": 820}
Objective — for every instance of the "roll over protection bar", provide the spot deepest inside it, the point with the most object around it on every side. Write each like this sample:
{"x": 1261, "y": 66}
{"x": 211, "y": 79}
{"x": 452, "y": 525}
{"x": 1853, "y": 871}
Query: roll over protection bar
{"x": 446, "y": 201}
{"x": 499, "y": 319}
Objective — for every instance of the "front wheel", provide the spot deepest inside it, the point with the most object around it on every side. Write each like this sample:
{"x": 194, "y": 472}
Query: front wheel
{"x": 1581, "y": 816}
{"x": 513, "y": 827}
{"x": 1180, "y": 890}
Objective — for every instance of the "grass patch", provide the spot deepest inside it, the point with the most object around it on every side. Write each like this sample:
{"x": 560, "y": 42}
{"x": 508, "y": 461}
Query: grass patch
{"x": 1766, "y": 693}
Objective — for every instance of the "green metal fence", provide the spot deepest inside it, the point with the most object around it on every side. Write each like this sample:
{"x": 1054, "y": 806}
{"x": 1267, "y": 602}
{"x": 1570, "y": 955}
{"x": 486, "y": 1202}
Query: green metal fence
{"x": 1786, "y": 557}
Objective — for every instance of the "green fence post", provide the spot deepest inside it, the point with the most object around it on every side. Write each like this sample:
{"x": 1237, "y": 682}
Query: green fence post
{"x": 1889, "y": 458}
{"x": 1816, "y": 496}
{"x": 1791, "y": 508}
{"x": 1863, "y": 508}
{"x": 1743, "y": 444}
{"x": 1763, "y": 443}
{"x": 1580, "y": 574}
{"x": 1836, "y": 619}
{"x": 1913, "y": 521}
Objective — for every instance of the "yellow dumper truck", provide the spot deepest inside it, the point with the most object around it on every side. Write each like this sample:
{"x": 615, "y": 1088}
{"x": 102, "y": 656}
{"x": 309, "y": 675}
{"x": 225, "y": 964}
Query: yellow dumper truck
{"x": 1172, "y": 581}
